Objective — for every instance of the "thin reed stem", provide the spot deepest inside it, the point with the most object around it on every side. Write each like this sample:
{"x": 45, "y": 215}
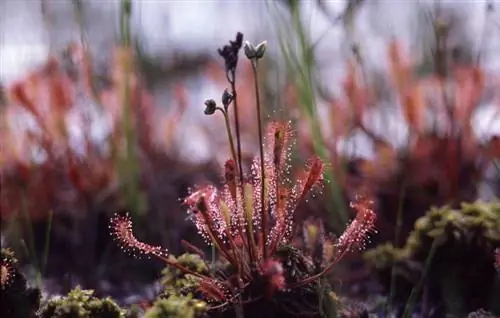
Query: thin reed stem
{"x": 263, "y": 214}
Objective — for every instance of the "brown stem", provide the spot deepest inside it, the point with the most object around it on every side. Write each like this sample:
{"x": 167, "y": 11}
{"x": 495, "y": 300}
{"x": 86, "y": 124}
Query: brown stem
{"x": 232, "y": 80}
{"x": 229, "y": 133}
{"x": 263, "y": 214}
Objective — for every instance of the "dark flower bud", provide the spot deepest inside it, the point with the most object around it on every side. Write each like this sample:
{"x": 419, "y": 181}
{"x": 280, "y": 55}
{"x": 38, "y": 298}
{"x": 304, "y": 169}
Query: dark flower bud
{"x": 230, "y": 52}
{"x": 227, "y": 98}
{"x": 211, "y": 106}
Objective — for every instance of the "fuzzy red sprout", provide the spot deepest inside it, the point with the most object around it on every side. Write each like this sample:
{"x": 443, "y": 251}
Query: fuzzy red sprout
{"x": 6, "y": 273}
{"x": 121, "y": 229}
{"x": 274, "y": 272}
{"x": 358, "y": 232}
{"x": 355, "y": 236}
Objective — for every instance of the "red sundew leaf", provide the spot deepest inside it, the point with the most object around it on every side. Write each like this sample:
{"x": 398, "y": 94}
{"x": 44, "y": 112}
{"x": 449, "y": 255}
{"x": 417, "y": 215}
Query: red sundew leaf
{"x": 339, "y": 119}
{"x": 354, "y": 92}
{"x": 213, "y": 290}
{"x": 413, "y": 107}
{"x": 399, "y": 67}
{"x": 470, "y": 87}
{"x": 280, "y": 227}
{"x": 60, "y": 94}
{"x": 210, "y": 221}
{"x": 121, "y": 230}
{"x": 273, "y": 271}
{"x": 7, "y": 273}
{"x": 19, "y": 95}
{"x": 308, "y": 178}
{"x": 278, "y": 144}
{"x": 359, "y": 230}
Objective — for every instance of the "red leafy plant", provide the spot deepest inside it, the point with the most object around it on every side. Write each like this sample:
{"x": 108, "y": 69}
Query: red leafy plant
{"x": 77, "y": 148}
{"x": 434, "y": 158}
{"x": 250, "y": 222}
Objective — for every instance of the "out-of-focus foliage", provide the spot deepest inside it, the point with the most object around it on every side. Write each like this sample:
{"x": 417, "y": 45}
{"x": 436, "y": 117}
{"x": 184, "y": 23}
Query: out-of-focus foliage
{"x": 76, "y": 150}
{"x": 413, "y": 116}
{"x": 439, "y": 160}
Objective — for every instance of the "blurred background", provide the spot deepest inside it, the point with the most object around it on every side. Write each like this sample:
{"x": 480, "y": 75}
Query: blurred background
{"x": 102, "y": 113}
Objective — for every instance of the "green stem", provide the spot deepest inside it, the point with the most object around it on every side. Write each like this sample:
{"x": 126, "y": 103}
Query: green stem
{"x": 410, "y": 304}
{"x": 47, "y": 242}
{"x": 397, "y": 233}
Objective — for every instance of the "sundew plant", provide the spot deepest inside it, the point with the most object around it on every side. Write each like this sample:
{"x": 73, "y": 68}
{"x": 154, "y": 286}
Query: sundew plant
{"x": 249, "y": 219}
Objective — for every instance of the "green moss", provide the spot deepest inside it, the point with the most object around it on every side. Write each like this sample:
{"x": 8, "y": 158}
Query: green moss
{"x": 17, "y": 299}
{"x": 177, "y": 307}
{"x": 385, "y": 255}
{"x": 177, "y": 283}
{"x": 177, "y": 298}
{"x": 475, "y": 227}
{"x": 81, "y": 304}
{"x": 391, "y": 263}
{"x": 462, "y": 273}
{"x": 463, "y": 269}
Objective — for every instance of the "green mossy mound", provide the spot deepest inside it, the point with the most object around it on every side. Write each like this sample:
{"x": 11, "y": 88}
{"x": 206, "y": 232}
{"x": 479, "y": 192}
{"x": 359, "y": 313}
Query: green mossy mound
{"x": 81, "y": 304}
{"x": 462, "y": 272}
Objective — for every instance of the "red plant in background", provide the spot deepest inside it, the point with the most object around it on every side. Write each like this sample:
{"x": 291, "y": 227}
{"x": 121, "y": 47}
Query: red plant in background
{"x": 250, "y": 219}
{"x": 441, "y": 161}
{"x": 49, "y": 137}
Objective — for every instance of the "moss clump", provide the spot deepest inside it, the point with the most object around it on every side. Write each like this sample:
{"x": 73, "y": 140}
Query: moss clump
{"x": 384, "y": 259}
{"x": 474, "y": 227}
{"x": 384, "y": 255}
{"x": 81, "y": 304}
{"x": 177, "y": 283}
{"x": 177, "y": 307}
{"x": 178, "y": 298}
{"x": 16, "y": 299}
{"x": 462, "y": 272}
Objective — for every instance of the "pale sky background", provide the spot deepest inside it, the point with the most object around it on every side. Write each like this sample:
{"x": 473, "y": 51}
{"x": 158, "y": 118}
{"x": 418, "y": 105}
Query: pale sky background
{"x": 205, "y": 25}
